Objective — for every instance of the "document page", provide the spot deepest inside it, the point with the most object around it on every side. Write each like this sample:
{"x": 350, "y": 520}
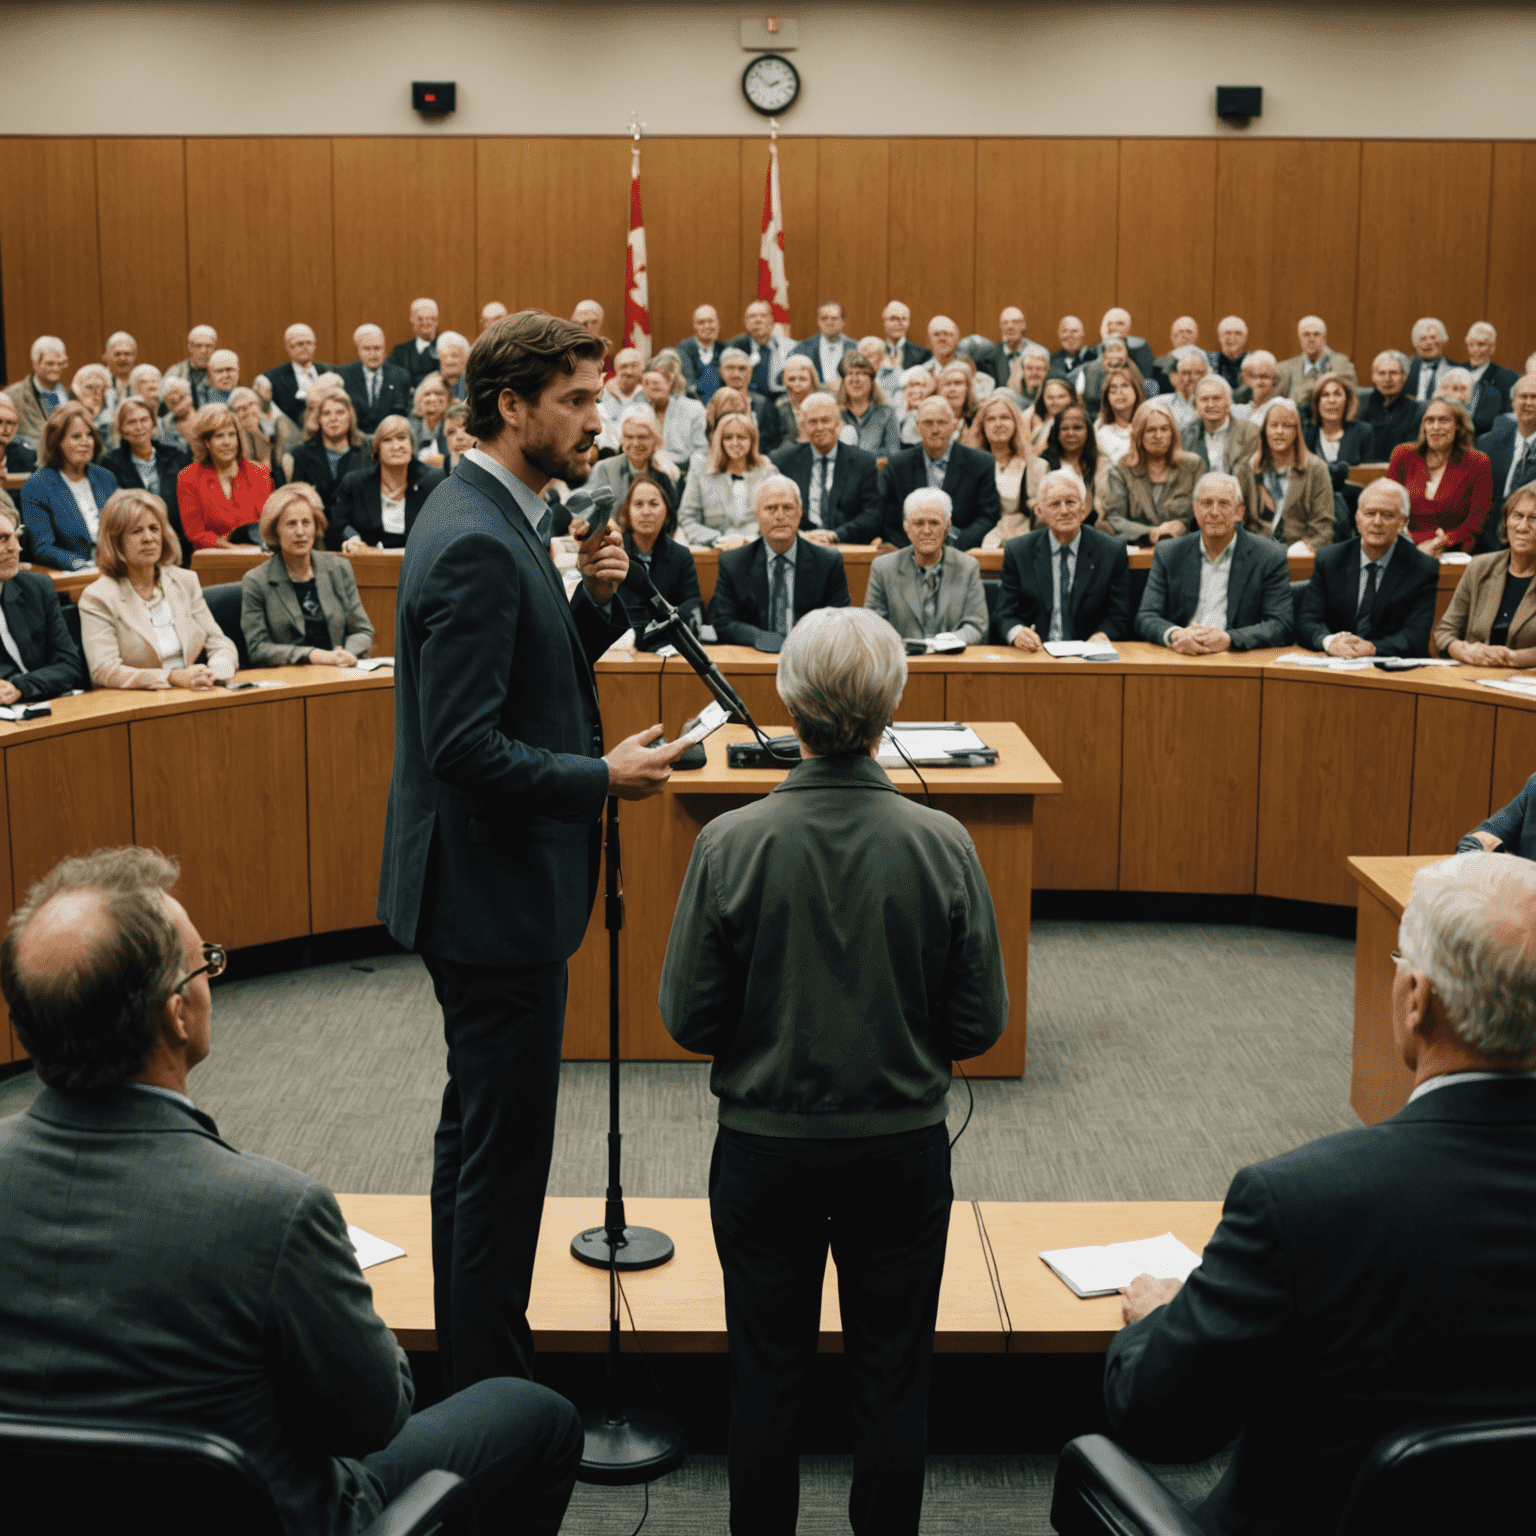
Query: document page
{"x": 928, "y": 741}
{"x": 1103, "y": 1269}
{"x": 372, "y": 1250}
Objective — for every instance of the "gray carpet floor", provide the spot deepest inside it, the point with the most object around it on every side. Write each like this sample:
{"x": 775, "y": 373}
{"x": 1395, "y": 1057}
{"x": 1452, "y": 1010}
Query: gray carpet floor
{"x": 1162, "y": 1058}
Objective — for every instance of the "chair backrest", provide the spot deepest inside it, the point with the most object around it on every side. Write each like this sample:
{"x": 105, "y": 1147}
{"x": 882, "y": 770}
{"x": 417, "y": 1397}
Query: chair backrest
{"x": 71, "y": 1477}
{"x": 71, "y": 612}
{"x": 224, "y": 604}
{"x": 1469, "y": 1475}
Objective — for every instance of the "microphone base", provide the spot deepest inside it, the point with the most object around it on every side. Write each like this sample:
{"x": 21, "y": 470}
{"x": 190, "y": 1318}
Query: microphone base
{"x": 640, "y": 1447}
{"x": 642, "y": 1248}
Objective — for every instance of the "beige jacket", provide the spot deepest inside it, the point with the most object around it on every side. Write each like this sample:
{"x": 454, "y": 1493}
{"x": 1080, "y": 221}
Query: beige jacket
{"x": 1475, "y": 605}
{"x": 1308, "y": 513}
{"x": 119, "y": 638}
{"x": 1297, "y": 384}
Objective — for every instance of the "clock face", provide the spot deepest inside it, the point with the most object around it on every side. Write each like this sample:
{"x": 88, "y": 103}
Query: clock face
{"x": 770, "y": 84}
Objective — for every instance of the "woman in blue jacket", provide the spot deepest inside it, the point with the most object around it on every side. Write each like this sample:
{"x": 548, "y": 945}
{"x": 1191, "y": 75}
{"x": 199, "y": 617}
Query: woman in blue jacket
{"x": 61, "y": 503}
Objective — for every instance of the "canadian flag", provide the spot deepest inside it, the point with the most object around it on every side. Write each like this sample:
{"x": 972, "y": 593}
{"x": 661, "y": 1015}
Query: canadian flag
{"x": 637, "y": 294}
{"x": 772, "y": 284}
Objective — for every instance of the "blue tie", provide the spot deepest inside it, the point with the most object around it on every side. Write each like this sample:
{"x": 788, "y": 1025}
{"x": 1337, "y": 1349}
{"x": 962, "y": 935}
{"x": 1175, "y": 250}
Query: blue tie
{"x": 778, "y": 596}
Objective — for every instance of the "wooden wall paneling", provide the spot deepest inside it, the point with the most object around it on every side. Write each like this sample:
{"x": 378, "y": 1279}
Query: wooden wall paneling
{"x": 1511, "y": 240}
{"x": 799, "y": 178}
{"x": 551, "y": 222}
{"x": 1287, "y": 239}
{"x": 1514, "y": 755}
{"x": 853, "y": 211}
{"x": 49, "y": 251}
{"x": 349, "y": 747}
{"x": 405, "y": 228}
{"x": 260, "y": 250}
{"x": 1047, "y": 213}
{"x": 932, "y": 230}
{"x": 141, "y": 198}
{"x": 1452, "y": 772}
{"x": 1166, "y": 237}
{"x": 1424, "y": 240}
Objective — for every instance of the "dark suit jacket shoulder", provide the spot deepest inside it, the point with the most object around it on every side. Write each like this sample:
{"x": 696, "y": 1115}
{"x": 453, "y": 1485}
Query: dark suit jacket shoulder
{"x": 970, "y": 482}
{"x": 854, "y": 514}
{"x": 53, "y": 660}
{"x": 1404, "y": 611}
{"x": 360, "y": 503}
{"x": 739, "y": 608}
{"x": 1101, "y": 586}
{"x": 1259, "y": 611}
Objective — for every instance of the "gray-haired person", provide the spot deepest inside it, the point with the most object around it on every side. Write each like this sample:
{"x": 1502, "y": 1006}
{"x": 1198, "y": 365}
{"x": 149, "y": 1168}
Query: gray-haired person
{"x": 834, "y": 949}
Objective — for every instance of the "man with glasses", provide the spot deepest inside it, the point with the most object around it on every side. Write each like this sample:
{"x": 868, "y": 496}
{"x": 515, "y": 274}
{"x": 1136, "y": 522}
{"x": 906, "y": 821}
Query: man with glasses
{"x": 155, "y": 1273}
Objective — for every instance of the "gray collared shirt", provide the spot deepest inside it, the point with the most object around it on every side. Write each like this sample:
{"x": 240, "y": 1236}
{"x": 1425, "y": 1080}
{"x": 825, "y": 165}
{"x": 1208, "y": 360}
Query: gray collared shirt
{"x": 831, "y": 356}
{"x": 1211, "y": 606}
{"x": 937, "y": 468}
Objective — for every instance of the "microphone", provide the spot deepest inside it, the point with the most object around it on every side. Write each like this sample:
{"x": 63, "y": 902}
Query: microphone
{"x": 593, "y": 507}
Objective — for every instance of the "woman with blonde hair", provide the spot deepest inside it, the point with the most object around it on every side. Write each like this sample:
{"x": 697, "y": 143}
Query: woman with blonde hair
{"x": 799, "y": 380}
{"x": 246, "y": 405}
{"x": 221, "y": 492}
{"x": 957, "y": 385}
{"x": 1149, "y": 494}
{"x": 144, "y": 623}
{"x": 91, "y": 386}
{"x": 999, "y": 430}
{"x": 717, "y": 503}
{"x": 1288, "y": 492}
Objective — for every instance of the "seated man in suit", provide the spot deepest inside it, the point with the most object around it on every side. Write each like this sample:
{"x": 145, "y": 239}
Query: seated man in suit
{"x": 1232, "y": 348}
{"x": 376, "y": 388}
{"x": 38, "y": 659}
{"x": 1063, "y": 581}
{"x": 1430, "y": 364}
{"x": 1007, "y": 354}
{"x": 767, "y": 349}
{"x": 701, "y": 353}
{"x": 292, "y": 382}
{"x": 17, "y": 456}
{"x": 1217, "y": 438}
{"x": 839, "y": 484}
{"x": 43, "y": 391}
{"x": 736, "y": 373}
{"x": 1117, "y": 322}
{"x": 1074, "y": 351}
{"x": 930, "y": 588}
{"x": 1491, "y": 384}
{"x": 1377, "y": 1278}
{"x": 938, "y": 461}
{"x": 1509, "y": 830}
{"x": 191, "y": 1281}
{"x": 943, "y": 343}
{"x": 1511, "y": 445}
{"x": 202, "y": 340}
{"x": 1374, "y": 596}
{"x": 1387, "y": 408}
{"x": 1184, "y": 332}
{"x": 1221, "y": 588}
{"x": 764, "y": 588}
{"x": 826, "y": 348}
{"x": 1299, "y": 374}
{"x": 418, "y": 356}
{"x": 900, "y": 352}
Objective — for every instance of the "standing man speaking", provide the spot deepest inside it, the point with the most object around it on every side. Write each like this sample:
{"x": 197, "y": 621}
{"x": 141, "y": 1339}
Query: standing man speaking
{"x": 492, "y": 841}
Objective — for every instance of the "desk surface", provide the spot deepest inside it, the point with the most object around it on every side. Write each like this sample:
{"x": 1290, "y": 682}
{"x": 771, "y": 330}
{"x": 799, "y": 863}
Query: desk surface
{"x": 1390, "y": 880}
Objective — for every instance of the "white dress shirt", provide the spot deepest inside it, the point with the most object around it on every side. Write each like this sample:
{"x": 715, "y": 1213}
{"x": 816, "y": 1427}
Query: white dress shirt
{"x": 1211, "y": 608}
{"x": 1520, "y": 447}
{"x": 8, "y": 640}
{"x": 831, "y": 356}
{"x": 1450, "y": 1079}
{"x": 85, "y": 499}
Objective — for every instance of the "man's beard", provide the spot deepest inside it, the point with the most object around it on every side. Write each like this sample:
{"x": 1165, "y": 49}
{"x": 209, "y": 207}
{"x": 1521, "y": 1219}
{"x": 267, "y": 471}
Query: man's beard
{"x": 569, "y": 465}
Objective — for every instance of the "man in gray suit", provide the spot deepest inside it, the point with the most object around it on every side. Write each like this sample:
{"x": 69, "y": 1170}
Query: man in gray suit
{"x": 1299, "y": 375}
{"x": 931, "y": 587}
{"x": 1216, "y": 437}
{"x": 154, "y": 1272}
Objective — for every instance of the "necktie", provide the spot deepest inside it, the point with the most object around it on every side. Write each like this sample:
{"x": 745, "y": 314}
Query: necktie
{"x": 1367, "y": 601}
{"x": 819, "y": 491}
{"x": 1064, "y": 585}
{"x": 931, "y": 600}
{"x": 778, "y": 595}
{"x": 373, "y": 389}
{"x": 1525, "y": 466}
{"x": 546, "y": 524}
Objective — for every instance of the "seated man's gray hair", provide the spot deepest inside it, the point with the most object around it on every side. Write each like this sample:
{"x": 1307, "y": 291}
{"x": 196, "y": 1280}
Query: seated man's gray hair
{"x": 1220, "y": 477}
{"x": 773, "y": 484}
{"x": 1404, "y": 498}
{"x": 1470, "y": 927}
{"x": 841, "y": 675}
{"x": 1066, "y": 477}
{"x": 1215, "y": 381}
{"x": 928, "y": 498}
{"x": 641, "y": 411}
{"x": 732, "y": 354}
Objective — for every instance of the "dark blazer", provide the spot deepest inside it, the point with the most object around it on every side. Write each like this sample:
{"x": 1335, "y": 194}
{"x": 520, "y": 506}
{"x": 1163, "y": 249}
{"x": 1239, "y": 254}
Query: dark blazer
{"x": 811, "y": 348}
{"x": 53, "y": 661}
{"x": 1367, "y": 1281}
{"x": 169, "y": 462}
{"x": 1258, "y": 591}
{"x": 1514, "y": 825}
{"x": 1491, "y": 395}
{"x": 673, "y": 575}
{"x": 970, "y": 482}
{"x": 1100, "y": 598}
{"x": 417, "y": 365}
{"x": 995, "y": 361}
{"x": 1065, "y": 363}
{"x": 273, "y": 622}
{"x": 854, "y": 512}
{"x": 312, "y": 465}
{"x": 912, "y": 354}
{"x": 693, "y": 367}
{"x": 155, "y": 1272}
{"x": 360, "y": 508}
{"x": 492, "y": 837}
{"x": 739, "y": 611}
{"x": 285, "y": 392}
{"x": 395, "y": 386}
{"x": 1404, "y": 610}
{"x": 59, "y": 535}
{"x": 1355, "y": 447}
{"x": 20, "y": 457}
{"x": 1231, "y": 369}
{"x": 1391, "y": 425}
{"x": 1499, "y": 446}
{"x": 770, "y": 426}
{"x": 1417, "y": 366}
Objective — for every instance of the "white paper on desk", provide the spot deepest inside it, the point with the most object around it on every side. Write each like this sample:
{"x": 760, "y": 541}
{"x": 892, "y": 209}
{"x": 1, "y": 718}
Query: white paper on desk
{"x": 1523, "y": 687}
{"x": 1102, "y": 1270}
{"x": 1455, "y": 557}
{"x": 1080, "y": 648}
{"x": 373, "y": 663}
{"x": 1325, "y": 663}
{"x": 1407, "y": 663}
{"x": 371, "y": 1250}
{"x": 929, "y": 743}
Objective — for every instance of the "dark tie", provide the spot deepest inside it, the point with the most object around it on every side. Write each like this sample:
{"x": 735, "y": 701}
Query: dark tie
{"x": 373, "y": 389}
{"x": 1062, "y": 554}
{"x": 821, "y": 492}
{"x": 546, "y": 523}
{"x": 1525, "y": 467}
{"x": 778, "y": 595}
{"x": 931, "y": 600}
{"x": 1367, "y": 601}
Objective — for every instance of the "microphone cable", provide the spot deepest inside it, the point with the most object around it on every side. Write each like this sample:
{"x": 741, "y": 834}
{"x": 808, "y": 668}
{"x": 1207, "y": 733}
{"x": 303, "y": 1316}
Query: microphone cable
{"x": 970, "y": 1108}
{"x": 906, "y": 757}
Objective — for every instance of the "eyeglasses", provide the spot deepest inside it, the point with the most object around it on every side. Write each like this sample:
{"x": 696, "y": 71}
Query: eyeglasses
{"x": 216, "y": 961}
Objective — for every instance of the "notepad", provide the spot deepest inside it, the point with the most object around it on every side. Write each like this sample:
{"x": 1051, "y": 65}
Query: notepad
{"x": 371, "y": 1250}
{"x": 925, "y": 742}
{"x": 1104, "y": 1269}
{"x": 1521, "y": 687}
{"x": 373, "y": 663}
{"x": 1324, "y": 663}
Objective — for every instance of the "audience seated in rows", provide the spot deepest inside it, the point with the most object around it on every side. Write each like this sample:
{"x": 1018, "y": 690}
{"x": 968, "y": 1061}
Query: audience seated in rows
{"x": 221, "y": 492}
{"x": 375, "y": 507}
{"x": 767, "y": 349}
{"x": 639, "y": 451}
{"x": 1287, "y": 492}
{"x": 333, "y": 445}
{"x": 302, "y": 605}
{"x": 657, "y": 561}
{"x": 1113, "y": 356}
{"x": 38, "y": 659}
{"x": 376, "y": 386}
{"x": 838, "y": 483}
{"x": 1117, "y": 323}
{"x": 1491, "y": 620}
{"x": 716, "y": 510}
{"x": 965, "y": 474}
{"x": 1449, "y": 482}
{"x": 930, "y": 587}
{"x": 62, "y": 501}
{"x": 144, "y": 622}
{"x": 1147, "y": 492}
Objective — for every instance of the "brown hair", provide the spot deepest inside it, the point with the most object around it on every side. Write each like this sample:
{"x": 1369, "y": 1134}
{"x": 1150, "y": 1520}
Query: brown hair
{"x": 52, "y": 452}
{"x": 279, "y": 502}
{"x": 317, "y": 402}
{"x": 1263, "y": 455}
{"x": 128, "y": 404}
{"x": 724, "y": 402}
{"x": 1515, "y": 497}
{"x": 645, "y": 477}
{"x": 1351, "y": 398}
{"x": 211, "y": 419}
{"x": 392, "y": 426}
{"x": 1464, "y": 436}
{"x": 117, "y": 517}
{"x": 1135, "y": 456}
{"x": 1132, "y": 375}
{"x": 856, "y": 362}
{"x": 717, "y": 454}
{"x": 520, "y": 355}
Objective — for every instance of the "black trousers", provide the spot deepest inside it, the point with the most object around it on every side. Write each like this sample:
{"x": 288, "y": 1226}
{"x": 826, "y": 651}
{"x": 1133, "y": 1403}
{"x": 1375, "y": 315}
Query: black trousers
{"x": 517, "y": 1445}
{"x": 882, "y": 1204}
{"x": 495, "y": 1136}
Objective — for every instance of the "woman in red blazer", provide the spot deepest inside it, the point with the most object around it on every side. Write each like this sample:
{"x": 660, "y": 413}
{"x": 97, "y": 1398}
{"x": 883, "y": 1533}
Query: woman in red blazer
{"x": 1450, "y": 484}
{"x": 221, "y": 492}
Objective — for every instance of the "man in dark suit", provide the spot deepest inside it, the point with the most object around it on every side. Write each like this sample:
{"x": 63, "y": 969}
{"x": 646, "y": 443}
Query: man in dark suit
{"x": 966, "y": 474}
{"x": 155, "y": 1272}
{"x": 1511, "y": 828}
{"x": 375, "y": 387}
{"x": 1375, "y": 595}
{"x": 736, "y": 373}
{"x": 1232, "y": 348}
{"x": 827, "y": 347}
{"x": 1074, "y": 351}
{"x": 901, "y": 353}
{"x": 492, "y": 836}
{"x": 1117, "y": 322}
{"x": 1491, "y": 384}
{"x": 1387, "y": 409}
{"x": 700, "y": 353}
{"x": 767, "y": 350}
{"x": 839, "y": 484}
{"x": 292, "y": 382}
{"x": 1430, "y": 364}
{"x": 1511, "y": 445}
{"x": 1219, "y": 589}
{"x": 418, "y": 356}
{"x": 38, "y": 659}
{"x": 766, "y": 587}
{"x": 1063, "y": 581}
{"x": 1377, "y": 1278}
{"x": 1009, "y": 352}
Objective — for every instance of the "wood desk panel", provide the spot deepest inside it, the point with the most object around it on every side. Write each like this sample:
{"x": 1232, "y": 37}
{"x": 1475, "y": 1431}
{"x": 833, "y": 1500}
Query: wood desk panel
{"x": 349, "y": 744}
{"x": 1452, "y": 772}
{"x": 1334, "y": 775}
{"x": 378, "y": 581}
{"x": 1514, "y": 755}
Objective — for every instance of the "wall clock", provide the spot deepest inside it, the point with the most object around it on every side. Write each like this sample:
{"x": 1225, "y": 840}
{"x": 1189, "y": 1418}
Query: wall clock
{"x": 770, "y": 83}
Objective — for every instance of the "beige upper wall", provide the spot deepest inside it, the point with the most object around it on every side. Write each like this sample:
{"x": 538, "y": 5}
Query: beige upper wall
{"x": 1346, "y": 70}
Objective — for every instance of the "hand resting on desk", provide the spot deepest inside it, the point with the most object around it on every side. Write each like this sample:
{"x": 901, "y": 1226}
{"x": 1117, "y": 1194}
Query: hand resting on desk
{"x": 1144, "y": 1295}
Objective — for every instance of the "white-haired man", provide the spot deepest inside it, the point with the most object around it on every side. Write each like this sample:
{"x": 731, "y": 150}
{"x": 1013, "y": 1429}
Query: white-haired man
{"x": 491, "y": 312}
{"x": 831, "y": 342}
{"x": 292, "y": 381}
{"x": 1298, "y": 375}
{"x": 833, "y": 1091}
{"x": 1184, "y": 332}
{"x": 202, "y": 341}
{"x": 43, "y": 391}
{"x": 1232, "y": 348}
{"x": 1007, "y": 354}
{"x": 1189, "y": 367}
{"x": 1117, "y": 322}
{"x": 943, "y": 342}
{"x": 768, "y": 350}
{"x": 1216, "y": 437}
{"x": 375, "y": 386}
{"x": 418, "y": 355}
{"x": 121, "y": 357}
{"x": 930, "y": 587}
{"x": 452, "y": 360}
{"x": 223, "y": 376}
{"x": 620, "y": 392}
{"x": 1377, "y": 1278}
{"x": 766, "y": 587}
{"x": 700, "y": 353}
{"x": 901, "y": 352}
{"x": 1429, "y": 363}
{"x": 1511, "y": 445}
{"x": 1491, "y": 384}
{"x": 1387, "y": 408}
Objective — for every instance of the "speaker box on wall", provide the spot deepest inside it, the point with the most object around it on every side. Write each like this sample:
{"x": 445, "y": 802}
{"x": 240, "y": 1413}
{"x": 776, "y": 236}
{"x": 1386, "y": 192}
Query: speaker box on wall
{"x": 434, "y": 98}
{"x": 1239, "y": 103}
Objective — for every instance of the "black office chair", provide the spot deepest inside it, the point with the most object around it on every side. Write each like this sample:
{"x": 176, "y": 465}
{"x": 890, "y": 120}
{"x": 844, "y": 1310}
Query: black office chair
{"x": 224, "y": 604}
{"x": 1424, "y": 1480}
{"x": 992, "y": 590}
{"x": 80, "y": 1477}
{"x": 71, "y": 612}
